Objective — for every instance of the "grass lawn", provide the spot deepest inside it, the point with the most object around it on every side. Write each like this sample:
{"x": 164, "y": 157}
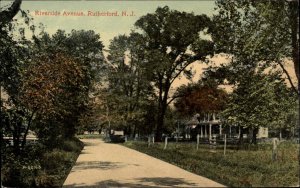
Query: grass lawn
{"x": 238, "y": 168}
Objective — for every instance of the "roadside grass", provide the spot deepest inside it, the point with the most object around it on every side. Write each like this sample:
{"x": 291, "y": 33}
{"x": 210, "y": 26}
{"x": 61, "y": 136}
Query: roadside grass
{"x": 41, "y": 166}
{"x": 252, "y": 167}
{"x": 57, "y": 164}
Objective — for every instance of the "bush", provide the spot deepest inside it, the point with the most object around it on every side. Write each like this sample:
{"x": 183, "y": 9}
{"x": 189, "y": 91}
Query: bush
{"x": 20, "y": 171}
{"x": 57, "y": 160}
{"x": 39, "y": 166}
{"x": 45, "y": 180}
{"x": 74, "y": 145}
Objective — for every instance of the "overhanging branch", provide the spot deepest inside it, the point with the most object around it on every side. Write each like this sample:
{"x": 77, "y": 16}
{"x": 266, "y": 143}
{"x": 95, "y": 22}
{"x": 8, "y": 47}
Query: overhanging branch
{"x": 7, "y": 15}
{"x": 289, "y": 78}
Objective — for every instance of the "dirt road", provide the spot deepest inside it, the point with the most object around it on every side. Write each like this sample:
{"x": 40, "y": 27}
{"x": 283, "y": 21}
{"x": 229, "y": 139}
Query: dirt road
{"x": 111, "y": 165}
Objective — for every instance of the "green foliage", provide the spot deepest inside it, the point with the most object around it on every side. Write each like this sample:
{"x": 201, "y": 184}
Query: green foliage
{"x": 128, "y": 94}
{"x": 45, "y": 180}
{"x": 83, "y": 46}
{"x": 58, "y": 79}
{"x": 169, "y": 34}
{"x": 256, "y": 36}
{"x": 39, "y": 166}
{"x": 72, "y": 145}
{"x": 7, "y": 15}
{"x": 260, "y": 32}
{"x": 53, "y": 160}
{"x": 243, "y": 168}
{"x": 13, "y": 48}
{"x": 19, "y": 171}
{"x": 260, "y": 100}
{"x": 48, "y": 83}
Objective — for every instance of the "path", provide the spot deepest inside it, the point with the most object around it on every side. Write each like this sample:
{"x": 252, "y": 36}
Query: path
{"x": 111, "y": 165}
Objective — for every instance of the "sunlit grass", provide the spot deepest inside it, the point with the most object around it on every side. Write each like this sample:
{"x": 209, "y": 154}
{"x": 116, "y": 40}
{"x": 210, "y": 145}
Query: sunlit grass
{"x": 248, "y": 167}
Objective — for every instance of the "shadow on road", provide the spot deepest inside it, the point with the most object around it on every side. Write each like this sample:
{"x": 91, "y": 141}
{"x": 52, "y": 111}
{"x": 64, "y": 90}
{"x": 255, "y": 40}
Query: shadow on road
{"x": 101, "y": 165}
{"x": 166, "y": 181}
{"x": 86, "y": 143}
{"x": 142, "y": 182}
{"x": 84, "y": 153}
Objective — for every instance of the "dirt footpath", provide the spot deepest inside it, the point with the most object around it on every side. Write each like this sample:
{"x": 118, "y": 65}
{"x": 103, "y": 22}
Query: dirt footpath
{"x": 111, "y": 165}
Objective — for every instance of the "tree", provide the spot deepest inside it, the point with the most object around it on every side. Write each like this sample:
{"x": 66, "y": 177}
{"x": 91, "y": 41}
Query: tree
{"x": 259, "y": 100}
{"x": 173, "y": 42}
{"x": 264, "y": 32}
{"x": 54, "y": 89}
{"x": 7, "y": 15}
{"x": 13, "y": 52}
{"x": 17, "y": 120}
{"x": 255, "y": 35}
{"x": 200, "y": 98}
{"x": 129, "y": 89}
{"x": 84, "y": 48}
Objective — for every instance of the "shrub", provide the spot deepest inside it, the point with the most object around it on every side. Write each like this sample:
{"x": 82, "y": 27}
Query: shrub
{"x": 19, "y": 171}
{"x": 73, "y": 145}
{"x": 39, "y": 166}
{"x": 57, "y": 161}
{"x": 45, "y": 180}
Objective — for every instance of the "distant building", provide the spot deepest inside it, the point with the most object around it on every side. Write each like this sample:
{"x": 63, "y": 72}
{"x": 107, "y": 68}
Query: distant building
{"x": 211, "y": 126}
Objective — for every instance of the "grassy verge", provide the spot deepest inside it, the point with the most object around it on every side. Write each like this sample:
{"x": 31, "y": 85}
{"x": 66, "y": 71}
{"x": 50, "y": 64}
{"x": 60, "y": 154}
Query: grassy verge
{"x": 39, "y": 166}
{"x": 58, "y": 163}
{"x": 238, "y": 168}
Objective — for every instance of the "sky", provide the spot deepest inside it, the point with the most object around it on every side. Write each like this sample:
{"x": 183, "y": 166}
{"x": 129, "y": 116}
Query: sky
{"x": 107, "y": 26}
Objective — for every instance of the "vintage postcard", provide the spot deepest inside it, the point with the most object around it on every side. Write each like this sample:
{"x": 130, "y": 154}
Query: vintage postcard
{"x": 140, "y": 93}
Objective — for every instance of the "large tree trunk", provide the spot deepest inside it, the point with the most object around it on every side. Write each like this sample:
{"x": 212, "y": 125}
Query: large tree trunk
{"x": 26, "y": 131}
{"x": 254, "y": 135}
{"x": 160, "y": 123}
{"x": 241, "y": 139}
{"x": 16, "y": 137}
{"x": 162, "y": 108}
{"x": 135, "y": 129}
{"x": 8, "y": 14}
{"x": 100, "y": 129}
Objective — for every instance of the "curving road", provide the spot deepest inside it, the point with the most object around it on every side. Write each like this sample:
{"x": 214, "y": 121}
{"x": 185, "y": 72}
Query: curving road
{"x": 110, "y": 165}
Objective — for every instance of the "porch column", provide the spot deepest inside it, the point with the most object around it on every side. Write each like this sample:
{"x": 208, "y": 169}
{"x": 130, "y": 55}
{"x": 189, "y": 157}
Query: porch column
{"x": 230, "y": 131}
{"x": 210, "y": 131}
{"x": 220, "y": 129}
{"x": 205, "y": 131}
{"x": 201, "y": 132}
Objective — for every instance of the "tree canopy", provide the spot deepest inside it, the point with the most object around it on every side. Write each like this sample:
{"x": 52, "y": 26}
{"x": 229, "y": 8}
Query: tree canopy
{"x": 263, "y": 32}
{"x": 200, "y": 99}
{"x": 173, "y": 42}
